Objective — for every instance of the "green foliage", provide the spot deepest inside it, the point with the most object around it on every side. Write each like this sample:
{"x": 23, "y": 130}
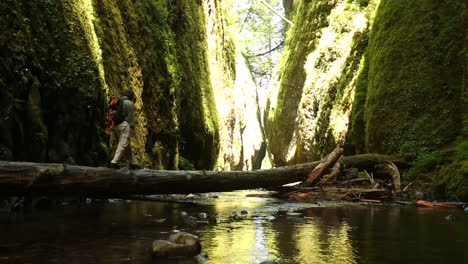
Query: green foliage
{"x": 262, "y": 31}
{"x": 185, "y": 164}
{"x": 462, "y": 150}
{"x": 425, "y": 164}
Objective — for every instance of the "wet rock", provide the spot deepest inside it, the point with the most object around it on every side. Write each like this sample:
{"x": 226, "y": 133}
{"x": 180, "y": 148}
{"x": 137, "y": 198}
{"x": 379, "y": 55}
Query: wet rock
{"x": 191, "y": 221}
{"x": 191, "y": 196}
{"x": 244, "y": 212}
{"x": 183, "y": 214}
{"x": 203, "y": 257}
{"x": 233, "y": 216}
{"x": 450, "y": 218}
{"x": 466, "y": 209}
{"x": 202, "y": 216}
{"x": 295, "y": 214}
{"x": 179, "y": 244}
{"x": 159, "y": 220}
{"x": 268, "y": 262}
{"x": 271, "y": 218}
{"x": 213, "y": 219}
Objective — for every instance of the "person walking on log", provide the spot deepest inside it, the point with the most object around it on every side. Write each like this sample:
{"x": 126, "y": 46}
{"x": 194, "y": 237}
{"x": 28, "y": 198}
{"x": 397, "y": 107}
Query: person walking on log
{"x": 121, "y": 118}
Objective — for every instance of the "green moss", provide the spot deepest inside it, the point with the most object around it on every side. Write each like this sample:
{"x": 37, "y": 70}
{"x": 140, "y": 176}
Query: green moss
{"x": 300, "y": 41}
{"x": 356, "y": 134}
{"x": 165, "y": 46}
{"x": 453, "y": 181}
{"x": 415, "y": 76}
{"x": 311, "y": 115}
{"x": 52, "y": 82}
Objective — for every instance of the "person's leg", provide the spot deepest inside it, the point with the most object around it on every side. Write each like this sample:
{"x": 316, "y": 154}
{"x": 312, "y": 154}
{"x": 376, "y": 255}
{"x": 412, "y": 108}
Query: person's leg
{"x": 133, "y": 162}
{"x": 124, "y": 142}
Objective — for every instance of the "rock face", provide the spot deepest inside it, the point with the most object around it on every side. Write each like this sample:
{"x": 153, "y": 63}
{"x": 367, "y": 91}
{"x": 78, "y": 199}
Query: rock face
{"x": 179, "y": 244}
{"x": 375, "y": 76}
{"x": 62, "y": 60}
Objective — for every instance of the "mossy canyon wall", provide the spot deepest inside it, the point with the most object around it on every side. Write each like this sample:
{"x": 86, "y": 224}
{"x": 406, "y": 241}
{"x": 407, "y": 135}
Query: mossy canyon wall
{"x": 384, "y": 76}
{"x": 379, "y": 76}
{"x": 61, "y": 60}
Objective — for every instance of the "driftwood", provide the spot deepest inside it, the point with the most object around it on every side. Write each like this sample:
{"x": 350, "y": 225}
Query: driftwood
{"x": 337, "y": 194}
{"x": 315, "y": 175}
{"x": 433, "y": 204}
{"x": 370, "y": 201}
{"x": 334, "y": 171}
{"x": 390, "y": 170}
{"x": 315, "y": 186}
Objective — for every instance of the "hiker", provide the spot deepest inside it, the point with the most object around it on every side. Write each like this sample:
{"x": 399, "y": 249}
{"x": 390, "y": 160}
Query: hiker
{"x": 122, "y": 119}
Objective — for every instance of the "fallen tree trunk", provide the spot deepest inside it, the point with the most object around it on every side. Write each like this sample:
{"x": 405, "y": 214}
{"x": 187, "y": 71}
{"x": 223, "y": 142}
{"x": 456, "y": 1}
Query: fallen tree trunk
{"x": 316, "y": 174}
{"x": 17, "y": 178}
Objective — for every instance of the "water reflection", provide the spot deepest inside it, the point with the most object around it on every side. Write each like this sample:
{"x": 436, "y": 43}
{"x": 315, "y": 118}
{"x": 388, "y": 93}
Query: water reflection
{"x": 122, "y": 232}
{"x": 272, "y": 234}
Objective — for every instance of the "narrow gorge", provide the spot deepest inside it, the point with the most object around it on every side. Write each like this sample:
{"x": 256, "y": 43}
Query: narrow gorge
{"x": 372, "y": 76}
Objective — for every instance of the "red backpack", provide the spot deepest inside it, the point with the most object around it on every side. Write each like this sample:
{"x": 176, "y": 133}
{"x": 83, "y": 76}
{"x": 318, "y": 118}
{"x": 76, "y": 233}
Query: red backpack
{"x": 115, "y": 115}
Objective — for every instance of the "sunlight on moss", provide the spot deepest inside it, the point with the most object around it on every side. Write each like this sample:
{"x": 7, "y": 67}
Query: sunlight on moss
{"x": 85, "y": 9}
{"x": 324, "y": 68}
{"x": 234, "y": 90}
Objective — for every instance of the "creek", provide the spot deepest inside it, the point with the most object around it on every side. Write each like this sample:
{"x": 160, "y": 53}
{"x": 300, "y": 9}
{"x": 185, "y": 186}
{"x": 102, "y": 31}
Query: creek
{"x": 120, "y": 231}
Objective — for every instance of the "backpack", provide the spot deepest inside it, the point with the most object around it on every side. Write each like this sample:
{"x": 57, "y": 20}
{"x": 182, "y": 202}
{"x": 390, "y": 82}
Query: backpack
{"x": 115, "y": 115}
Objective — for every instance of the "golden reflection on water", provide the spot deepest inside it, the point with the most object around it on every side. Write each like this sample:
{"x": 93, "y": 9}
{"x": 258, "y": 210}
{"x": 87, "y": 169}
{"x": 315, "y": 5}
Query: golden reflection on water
{"x": 240, "y": 241}
{"x": 258, "y": 239}
{"x": 317, "y": 245}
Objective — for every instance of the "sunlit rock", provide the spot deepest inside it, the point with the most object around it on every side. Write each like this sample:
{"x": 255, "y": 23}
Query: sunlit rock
{"x": 179, "y": 244}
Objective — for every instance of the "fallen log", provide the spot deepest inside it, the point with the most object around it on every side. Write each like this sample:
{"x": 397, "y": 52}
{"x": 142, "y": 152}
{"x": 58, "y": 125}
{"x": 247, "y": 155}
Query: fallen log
{"x": 334, "y": 171}
{"x": 389, "y": 169}
{"x": 434, "y": 204}
{"x": 316, "y": 174}
{"x": 42, "y": 178}
{"x": 17, "y": 178}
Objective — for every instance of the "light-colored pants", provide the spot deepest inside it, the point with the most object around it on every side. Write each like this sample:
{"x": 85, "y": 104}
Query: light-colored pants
{"x": 124, "y": 149}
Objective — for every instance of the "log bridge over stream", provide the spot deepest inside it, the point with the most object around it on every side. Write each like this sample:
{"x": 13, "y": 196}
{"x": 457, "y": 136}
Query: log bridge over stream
{"x": 18, "y": 178}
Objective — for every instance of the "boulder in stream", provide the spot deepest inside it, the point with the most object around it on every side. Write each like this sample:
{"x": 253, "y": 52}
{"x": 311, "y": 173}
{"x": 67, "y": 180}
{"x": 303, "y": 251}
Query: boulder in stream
{"x": 179, "y": 244}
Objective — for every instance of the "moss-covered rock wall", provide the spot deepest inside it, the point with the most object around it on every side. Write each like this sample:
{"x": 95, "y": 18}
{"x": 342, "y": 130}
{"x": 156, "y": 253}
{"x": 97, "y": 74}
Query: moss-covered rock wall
{"x": 415, "y": 79}
{"x": 52, "y": 97}
{"x": 373, "y": 76}
{"x": 310, "y": 104}
{"x": 62, "y": 60}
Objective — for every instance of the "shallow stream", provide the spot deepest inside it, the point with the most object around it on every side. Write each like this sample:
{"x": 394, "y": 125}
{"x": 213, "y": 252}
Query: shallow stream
{"x": 122, "y": 231}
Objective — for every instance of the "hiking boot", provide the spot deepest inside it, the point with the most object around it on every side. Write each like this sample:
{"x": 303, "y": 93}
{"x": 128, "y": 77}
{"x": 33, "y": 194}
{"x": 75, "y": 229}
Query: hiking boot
{"x": 135, "y": 167}
{"x": 114, "y": 166}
